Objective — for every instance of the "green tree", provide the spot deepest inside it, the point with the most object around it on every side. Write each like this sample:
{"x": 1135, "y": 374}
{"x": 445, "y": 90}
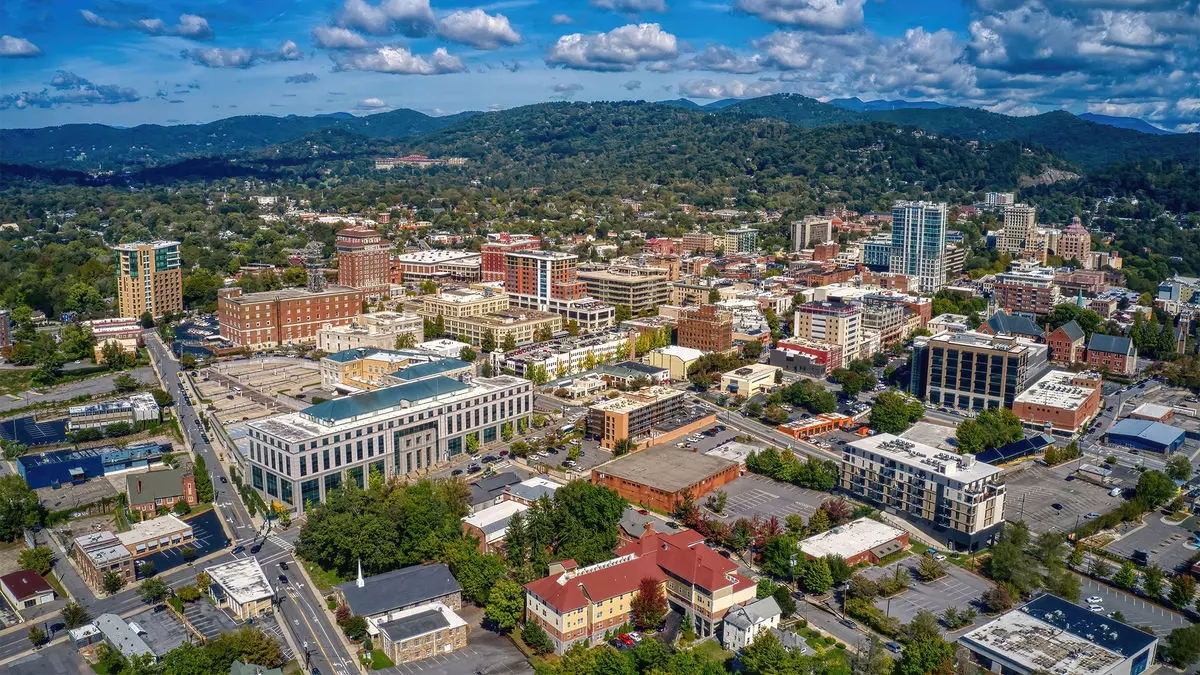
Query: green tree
{"x": 506, "y": 604}
{"x": 923, "y": 656}
{"x": 1182, "y": 647}
{"x": 125, "y": 383}
{"x": 1179, "y": 467}
{"x": 1183, "y": 589}
{"x": 873, "y": 659}
{"x": 783, "y": 598}
{"x": 36, "y": 636}
{"x": 405, "y": 341}
{"x": 649, "y": 604}
{"x": 428, "y": 287}
{"x": 476, "y": 572}
{"x": 509, "y": 344}
{"x": 894, "y": 412}
{"x": 488, "y": 344}
{"x": 765, "y": 656}
{"x": 467, "y": 354}
{"x": 1152, "y": 581}
{"x": 1155, "y": 488}
{"x": 930, "y": 568}
{"x": 623, "y": 313}
{"x": 1126, "y": 577}
{"x": 355, "y": 627}
{"x": 113, "y": 582}
{"x": 19, "y": 507}
{"x": 204, "y": 485}
{"x": 537, "y": 638}
{"x": 37, "y": 559}
{"x": 714, "y": 296}
{"x": 74, "y": 615}
{"x": 752, "y": 349}
{"x": 817, "y": 578}
{"x": 147, "y": 320}
{"x": 778, "y": 555}
{"x": 152, "y": 590}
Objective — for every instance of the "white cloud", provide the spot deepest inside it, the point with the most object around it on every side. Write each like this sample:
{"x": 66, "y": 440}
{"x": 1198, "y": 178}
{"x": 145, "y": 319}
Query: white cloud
{"x": 337, "y": 37}
{"x": 95, "y": 19}
{"x": 413, "y": 18}
{"x": 561, "y": 19}
{"x": 724, "y": 59}
{"x": 620, "y": 49}
{"x": 15, "y": 46}
{"x": 632, "y": 85}
{"x": 288, "y": 51}
{"x": 240, "y": 57}
{"x": 631, "y": 5}
{"x": 478, "y": 29}
{"x": 401, "y": 61}
{"x": 151, "y": 26}
{"x": 193, "y": 26}
{"x": 371, "y": 104}
{"x": 563, "y": 86}
{"x": 730, "y": 89}
{"x": 831, "y": 15}
{"x": 69, "y": 89}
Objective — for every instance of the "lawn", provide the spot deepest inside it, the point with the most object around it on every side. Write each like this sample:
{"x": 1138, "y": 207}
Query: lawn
{"x": 15, "y": 381}
{"x": 379, "y": 660}
{"x": 52, "y": 579}
{"x": 711, "y": 650}
{"x": 323, "y": 580}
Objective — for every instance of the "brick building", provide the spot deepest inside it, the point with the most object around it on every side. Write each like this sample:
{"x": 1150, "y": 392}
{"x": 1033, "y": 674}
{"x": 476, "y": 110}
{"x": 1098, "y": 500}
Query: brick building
{"x": 149, "y": 278}
{"x": 705, "y": 328}
{"x": 420, "y": 633}
{"x": 98, "y": 553}
{"x": 288, "y": 316}
{"x": 658, "y": 477}
{"x": 1060, "y": 402}
{"x": 148, "y": 491}
{"x": 1066, "y": 343}
{"x": 492, "y": 253}
{"x": 1112, "y": 353}
{"x": 363, "y": 260}
{"x": 1027, "y": 292}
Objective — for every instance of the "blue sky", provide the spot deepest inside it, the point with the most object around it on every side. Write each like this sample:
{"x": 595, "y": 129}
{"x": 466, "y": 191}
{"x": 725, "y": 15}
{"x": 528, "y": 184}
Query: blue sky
{"x": 127, "y": 62}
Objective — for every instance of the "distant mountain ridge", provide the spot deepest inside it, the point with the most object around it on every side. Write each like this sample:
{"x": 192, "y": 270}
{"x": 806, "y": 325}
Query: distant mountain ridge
{"x": 858, "y": 105}
{"x": 1125, "y": 123}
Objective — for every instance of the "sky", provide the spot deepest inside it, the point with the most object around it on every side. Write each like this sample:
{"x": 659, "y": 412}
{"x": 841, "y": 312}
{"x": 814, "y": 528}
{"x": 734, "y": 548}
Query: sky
{"x": 127, "y": 62}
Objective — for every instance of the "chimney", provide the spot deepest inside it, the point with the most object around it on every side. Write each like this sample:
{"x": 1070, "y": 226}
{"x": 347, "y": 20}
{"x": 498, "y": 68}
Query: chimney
{"x": 139, "y": 486}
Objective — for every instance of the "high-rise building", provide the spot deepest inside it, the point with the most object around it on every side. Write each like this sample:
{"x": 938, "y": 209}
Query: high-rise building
{"x": 705, "y": 328}
{"x": 973, "y": 371}
{"x": 1075, "y": 242}
{"x": 877, "y": 252}
{"x": 1019, "y": 231}
{"x": 149, "y": 278}
{"x": 5, "y": 340}
{"x": 919, "y": 243}
{"x": 741, "y": 240}
{"x": 363, "y": 260}
{"x": 1030, "y": 292}
{"x": 548, "y": 281}
{"x": 833, "y": 322}
{"x": 810, "y": 231}
{"x": 492, "y": 253}
{"x": 1000, "y": 198}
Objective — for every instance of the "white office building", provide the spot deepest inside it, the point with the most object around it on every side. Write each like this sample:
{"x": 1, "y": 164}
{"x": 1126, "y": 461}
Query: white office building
{"x": 919, "y": 243}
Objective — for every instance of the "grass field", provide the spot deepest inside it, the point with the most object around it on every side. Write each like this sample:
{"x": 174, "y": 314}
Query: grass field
{"x": 379, "y": 660}
{"x": 323, "y": 580}
{"x": 15, "y": 381}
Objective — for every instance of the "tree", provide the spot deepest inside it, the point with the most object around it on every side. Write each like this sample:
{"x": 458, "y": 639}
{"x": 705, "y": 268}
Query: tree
{"x": 125, "y": 383}
{"x": 1152, "y": 581}
{"x": 930, "y": 568}
{"x": 992, "y": 428}
{"x": 428, "y": 287}
{"x": 506, "y": 604}
{"x": 1064, "y": 584}
{"x": 894, "y": 412}
{"x": 37, "y": 559}
{"x": 204, "y": 485}
{"x": 476, "y": 572}
{"x": 752, "y": 349}
{"x": 817, "y": 578}
{"x": 467, "y": 354}
{"x": 716, "y": 501}
{"x": 36, "y": 636}
{"x": 1183, "y": 588}
{"x": 649, "y": 604}
{"x": 509, "y": 344}
{"x": 873, "y": 659}
{"x": 147, "y": 320}
{"x": 74, "y": 615}
{"x": 536, "y": 638}
{"x": 924, "y": 656}
{"x": 996, "y": 599}
{"x": 754, "y": 409}
{"x": 203, "y": 581}
{"x": 1183, "y": 646}
{"x": 19, "y": 507}
{"x": 1155, "y": 488}
{"x": 187, "y": 361}
{"x": 152, "y": 590}
{"x": 188, "y": 594}
{"x": 765, "y": 656}
{"x": 783, "y": 598}
{"x": 488, "y": 343}
{"x": 405, "y": 341}
{"x": 624, "y": 446}
{"x": 1179, "y": 467}
{"x": 778, "y": 555}
{"x": 355, "y": 627}
{"x": 113, "y": 582}
{"x": 1126, "y": 577}
{"x": 839, "y": 570}
{"x": 714, "y": 296}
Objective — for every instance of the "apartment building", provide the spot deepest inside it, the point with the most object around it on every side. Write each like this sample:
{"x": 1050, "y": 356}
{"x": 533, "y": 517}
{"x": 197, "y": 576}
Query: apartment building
{"x": 838, "y": 323}
{"x": 436, "y": 265}
{"x": 524, "y": 325}
{"x": 919, "y": 243}
{"x": 961, "y": 497}
{"x": 149, "y": 278}
{"x": 297, "y": 458}
{"x": 492, "y": 253}
{"x": 378, "y": 330}
{"x": 462, "y": 303}
{"x": 641, "y": 291}
{"x": 1060, "y": 403}
{"x": 1030, "y": 292}
{"x": 287, "y": 316}
{"x": 877, "y": 252}
{"x": 973, "y": 370}
{"x": 705, "y": 328}
{"x": 698, "y": 242}
{"x": 810, "y": 231}
{"x": 548, "y": 281}
{"x": 641, "y": 416}
{"x": 892, "y": 321}
{"x": 999, "y": 199}
{"x": 139, "y": 407}
{"x": 741, "y": 240}
{"x": 807, "y": 357}
{"x": 568, "y": 355}
{"x": 578, "y": 605}
{"x": 363, "y": 260}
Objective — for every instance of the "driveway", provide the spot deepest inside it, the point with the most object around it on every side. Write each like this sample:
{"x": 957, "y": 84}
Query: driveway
{"x": 754, "y": 495}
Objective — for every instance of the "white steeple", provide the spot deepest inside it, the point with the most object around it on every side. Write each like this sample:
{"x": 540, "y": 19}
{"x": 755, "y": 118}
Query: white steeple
{"x": 360, "y": 582}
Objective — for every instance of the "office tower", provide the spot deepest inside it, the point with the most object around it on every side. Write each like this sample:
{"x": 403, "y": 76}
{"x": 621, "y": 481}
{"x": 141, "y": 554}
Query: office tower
{"x": 363, "y": 260}
{"x": 149, "y": 278}
{"x": 919, "y": 243}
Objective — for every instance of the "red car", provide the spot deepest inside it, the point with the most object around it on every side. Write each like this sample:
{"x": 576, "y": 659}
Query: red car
{"x": 624, "y": 638}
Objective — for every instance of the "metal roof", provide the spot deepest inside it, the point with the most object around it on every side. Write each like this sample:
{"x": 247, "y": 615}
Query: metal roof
{"x": 1146, "y": 430}
{"x": 1013, "y": 325}
{"x": 380, "y": 399}
{"x": 423, "y": 370}
{"x": 1072, "y": 329}
{"x": 1021, "y": 448}
{"x": 404, "y": 587}
{"x": 1110, "y": 344}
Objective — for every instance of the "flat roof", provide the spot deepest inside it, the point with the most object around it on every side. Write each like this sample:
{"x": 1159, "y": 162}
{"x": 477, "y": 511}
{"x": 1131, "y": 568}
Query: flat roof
{"x": 917, "y": 455}
{"x": 1057, "y": 636}
{"x": 116, "y": 631}
{"x": 420, "y": 621}
{"x": 155, "y": 528}
{"x": 243, "y": 579}
{"x": 682, "y": 353}
{"x": 388, "y": 397}
{"x": 665, "y": 468}
{"x": 289, "y": 294}
{"x": 432, "y": 257}
{"x": 1056, "y": 391}
{"x": 493, "y": 521}
{"x": 1153, "y": 410}
{"x": 850, "y": 539}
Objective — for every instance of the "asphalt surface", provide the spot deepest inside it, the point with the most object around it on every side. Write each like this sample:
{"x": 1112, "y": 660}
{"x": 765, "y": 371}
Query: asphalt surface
{"x": 102, "y": 384}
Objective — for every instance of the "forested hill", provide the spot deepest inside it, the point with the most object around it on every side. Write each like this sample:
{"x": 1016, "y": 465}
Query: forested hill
{"x": 91, "y": 146}
{"x": 1088, "y": 144}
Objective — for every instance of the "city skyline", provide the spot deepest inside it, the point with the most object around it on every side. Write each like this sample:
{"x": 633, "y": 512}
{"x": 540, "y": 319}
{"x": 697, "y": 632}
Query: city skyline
{"x": 125, "y": 63}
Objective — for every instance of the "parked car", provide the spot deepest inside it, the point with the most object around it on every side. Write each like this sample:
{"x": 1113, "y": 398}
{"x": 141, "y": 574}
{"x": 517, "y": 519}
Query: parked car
{"x": 238, "y": 549}
{"x": 283, "y": 579}
{"x": 1095, "y": 600}
{"x": 1092, "y": 516}
{"x": 625, "y": 639}
{"x": 1096, "y": 608}
{"x": 893, "y": 646}
{"x": 224, "y": 480}
{"x": 849, "y": 624}
{"x": 456, "y": 472}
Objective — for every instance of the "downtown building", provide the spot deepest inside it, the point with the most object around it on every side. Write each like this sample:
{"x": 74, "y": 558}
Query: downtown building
{"x": 471, "y": 315}
{"x": 706, "y": 328}
{"x": 568, "y": 355}
{"x": 548, "y": 281}
{"x": 288, "y": 316}
{"x": 492, "y": 253}
{"x": 810, "y": 231}
{"x": 297, "y": 458}
{"x": 639, "y": 289}
{"x": 435, "y": 265}
{"x": 1027, "y": 292}
{"x": 833, "y": 322}
{"x": 149, "y": 278}
{"x": 971, "y": 371}
{"x": 959, "y": 496}
{"x": 364, "y": 262}
{"x": 741, "y": 240}
{"x": 919, "y": 243}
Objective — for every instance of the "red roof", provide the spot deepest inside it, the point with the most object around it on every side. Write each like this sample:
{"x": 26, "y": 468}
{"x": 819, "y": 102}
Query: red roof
{"x": 609, "y": 582}
{"x": 25, "y": 584}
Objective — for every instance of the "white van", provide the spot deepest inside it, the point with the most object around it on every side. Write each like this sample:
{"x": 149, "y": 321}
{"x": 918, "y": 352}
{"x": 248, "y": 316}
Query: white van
{"x": 1115, "y": 492}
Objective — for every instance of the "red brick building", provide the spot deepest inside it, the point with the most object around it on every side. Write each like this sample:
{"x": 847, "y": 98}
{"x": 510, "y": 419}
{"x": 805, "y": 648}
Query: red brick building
{"x": 1061, "y": 402}
{"x": 363, "y": 260}
{"x": 153, "y": 489}
{"x": 1066, "y": 343}
{"x": 493, "y": 268}
{"x": 705, "y": 328}
{"x": 288, "y": 316}
{"x": 658, "y": 477}
{"x": 1112, "y": 353}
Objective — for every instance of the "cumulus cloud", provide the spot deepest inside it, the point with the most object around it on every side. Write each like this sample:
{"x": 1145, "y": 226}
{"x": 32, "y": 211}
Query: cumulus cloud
{"x": 302, "y": 78}
{"x": 829, "y": 15}
{"x": 189, "y": 26}
{"x": 241, "y": 57}
{"x": 565, "y": 90}
{"x": 413, "y": 18}
{"x": 337, "y": 37}
{"x": 632, "y": 85}
{"x": 724, "y": 59}
{"x": 478, "y": 29}
{"x": 17, "y": 47}
{"x": 371, "y": 104}
{"x": 561, "y": 19}
{"x": 620, "y": 49}
{"x": 401, "y": 61}
{"x": 94, "y": 19}
{"x": 631, "y": 5}
{"x": 67, "y": 88}
{"x": 730, "y": 89}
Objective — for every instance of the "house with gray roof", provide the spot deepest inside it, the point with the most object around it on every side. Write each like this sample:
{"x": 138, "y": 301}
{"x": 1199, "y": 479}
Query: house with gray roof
{"x": 743, "y": 624}
{"x": 152, "y": 489}
{"x": 121, "y": 637}
{"x": 1067, "y": 343}
{"x": 382, "y": 594}
{"x": 488, "y": 491}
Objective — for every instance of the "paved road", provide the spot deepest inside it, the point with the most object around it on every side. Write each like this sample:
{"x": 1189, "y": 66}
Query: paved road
{"x": 96, "y": 385}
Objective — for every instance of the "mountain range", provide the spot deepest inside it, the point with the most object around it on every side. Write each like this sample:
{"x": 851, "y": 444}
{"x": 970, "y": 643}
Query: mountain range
{"x": 1086, "y": 141}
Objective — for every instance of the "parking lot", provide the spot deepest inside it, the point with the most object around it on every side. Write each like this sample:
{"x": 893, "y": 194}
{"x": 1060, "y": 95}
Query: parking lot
{"x": 1034, "y": 489}
{"x": 163, "y": 630}
{"x": 1165, "y": 542}
{"x": 486, "y": 652}
{"x": 958, "y": 589}
{"x": 207, "y": 619}
{"x": 206, "y": 528}
{"x": 1137, "y": 612}
{"x": 754, "y": 495}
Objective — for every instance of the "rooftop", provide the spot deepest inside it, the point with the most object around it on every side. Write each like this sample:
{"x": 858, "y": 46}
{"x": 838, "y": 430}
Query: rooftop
{"x": 543, "y": 255}
{"x": 25, "y": 584}
{"x": 419, "y": 621}
{"x": 121, "y": 636}
{"x": 158, "y": 243}
{"x": 487, "y": 489}
{"x": 534, "y": 488}
{"x": 1010, "y": 324}
{"x": 243, "y": 579}
{"x": 151, "y": 485}
{"x": 399, "y": 588}
{"x": 493, "y": 521}
{"x": 1056, "y": 390}
{"x": 288, "y": 294}
{"x": 753, "y": 613}
{"x": 970, "y": 338}
{"x": 1110, "y": 344}
{"x": 436, "y": 256}
{"x": 665, "y": 468}
{"x": 850, "y": 539}
{"x": 380, "y": 399}
{"x": 1152, "y": 410}
{"x": 1146, "y": 430}
{"x": 1057, "y": 636}
{"x": 964, "y": 468}
{"x": 431, "y": 368}
{"x": 161, "y": 527}
{"x": 753, "y": 371}
{"x": 683, "y": 353}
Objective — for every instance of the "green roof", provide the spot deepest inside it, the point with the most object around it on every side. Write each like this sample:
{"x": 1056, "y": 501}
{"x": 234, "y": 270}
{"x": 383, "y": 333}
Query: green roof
{"x": 362, "y": 404}
{"x": 431, "y": 368}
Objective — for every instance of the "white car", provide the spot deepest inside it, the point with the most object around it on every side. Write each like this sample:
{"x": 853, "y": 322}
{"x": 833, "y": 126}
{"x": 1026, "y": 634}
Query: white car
{"x": 1095, "y": 600}
{"x": 1096, "y": 608}
{"x": 939, "y": 556}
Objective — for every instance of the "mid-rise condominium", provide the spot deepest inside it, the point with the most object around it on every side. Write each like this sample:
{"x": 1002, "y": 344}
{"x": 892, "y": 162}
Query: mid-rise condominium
{"x": 833, "y": 322}
{"x": 810, "y": 231}
{"x": 492, "y": 253}
{"x": 741, "y": 240}
{"x": 919, "y": 243}
{"x": 149, "y": 278}
{"x": 548, "y": 281}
